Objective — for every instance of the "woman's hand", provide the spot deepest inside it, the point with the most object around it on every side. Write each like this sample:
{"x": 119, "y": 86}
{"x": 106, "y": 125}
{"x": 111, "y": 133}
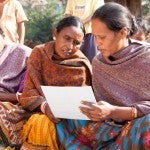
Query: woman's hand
{"x": 97, "y": 112}
{"x": 50, "y": 115}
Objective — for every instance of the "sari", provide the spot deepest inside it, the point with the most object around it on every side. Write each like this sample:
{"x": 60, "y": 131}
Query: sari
{"x": 11, "y": 74}
{"x": 123, "y": 81}
{"x": 46, "y": 68}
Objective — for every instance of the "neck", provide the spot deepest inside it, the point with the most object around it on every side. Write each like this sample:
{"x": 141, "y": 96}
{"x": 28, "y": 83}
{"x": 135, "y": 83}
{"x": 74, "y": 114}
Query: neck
{"x": 124, "y": 44}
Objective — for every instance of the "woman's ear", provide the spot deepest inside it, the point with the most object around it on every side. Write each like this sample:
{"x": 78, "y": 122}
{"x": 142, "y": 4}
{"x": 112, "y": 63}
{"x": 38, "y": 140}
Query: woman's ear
{"x": 54, "y": 33}
{"x": 124, "y": 32}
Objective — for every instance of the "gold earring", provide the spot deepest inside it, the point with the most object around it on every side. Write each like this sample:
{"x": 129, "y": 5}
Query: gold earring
{"x": 54, "y": 38}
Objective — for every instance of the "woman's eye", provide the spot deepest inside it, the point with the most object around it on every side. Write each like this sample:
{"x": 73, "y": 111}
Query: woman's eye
{"x": 100, "y": 37}
{"x": 76, "y": 43}
{"x": 67, "y": 38}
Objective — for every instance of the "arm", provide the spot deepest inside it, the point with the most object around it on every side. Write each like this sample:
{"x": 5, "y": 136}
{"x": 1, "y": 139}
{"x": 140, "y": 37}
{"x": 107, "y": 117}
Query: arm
{"x": 21, "y": 18}
{"x": 8, "y": 97}
{"x": 124, "y": 113}
{"x": 32, "y": 95}
{"x": 69, "y": 9}
{"x": 103, "y": 110}
{"x": 21, "y": 32}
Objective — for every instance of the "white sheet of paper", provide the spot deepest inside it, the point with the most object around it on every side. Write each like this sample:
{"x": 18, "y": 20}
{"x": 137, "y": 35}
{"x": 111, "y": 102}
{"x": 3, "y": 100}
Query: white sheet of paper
{"x": 65, "y": 101}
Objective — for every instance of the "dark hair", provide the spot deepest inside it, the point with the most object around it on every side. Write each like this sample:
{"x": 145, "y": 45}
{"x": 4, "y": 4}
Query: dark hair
{"x": 144, "y": 25}
{"x": 70, "y": 21}
{"x": 116, "y": 16}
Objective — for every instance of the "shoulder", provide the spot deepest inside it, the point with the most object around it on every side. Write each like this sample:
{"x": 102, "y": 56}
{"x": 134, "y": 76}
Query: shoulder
{"x": 20, "y": 48}
{"x": 39, "y": 47}
{"x": 141, "y": 46}
{"x": 44, "y": 46}
{"x": 17, "y": 4}
{"x": 14, "y": 2}
{"x": 133, "y": 41}
{"x": 25, "y": 48}
{"x": 42, "y": 49}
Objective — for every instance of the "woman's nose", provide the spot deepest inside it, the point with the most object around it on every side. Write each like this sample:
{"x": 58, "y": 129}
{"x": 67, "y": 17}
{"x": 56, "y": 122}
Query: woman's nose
{"x": 98, "y": 41}
{"x": 70, "y": 45}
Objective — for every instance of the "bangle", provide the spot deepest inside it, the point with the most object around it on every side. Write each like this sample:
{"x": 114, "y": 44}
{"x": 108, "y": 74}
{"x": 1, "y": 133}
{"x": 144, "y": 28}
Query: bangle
{"x": 43, "y": 105}
{"x": 133, "y": 112}
{"x": 17, "y": 95}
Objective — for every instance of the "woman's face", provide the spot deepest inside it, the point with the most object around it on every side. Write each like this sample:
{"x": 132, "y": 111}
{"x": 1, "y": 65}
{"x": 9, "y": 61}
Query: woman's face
{"x": 108, "y": 41}
{"x": 68, "y": 41}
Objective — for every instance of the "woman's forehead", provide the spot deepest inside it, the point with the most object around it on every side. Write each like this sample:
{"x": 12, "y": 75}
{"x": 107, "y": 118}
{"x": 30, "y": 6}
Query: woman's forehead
{"x": 72, "y": 31}
{"x": 99, "y": 27}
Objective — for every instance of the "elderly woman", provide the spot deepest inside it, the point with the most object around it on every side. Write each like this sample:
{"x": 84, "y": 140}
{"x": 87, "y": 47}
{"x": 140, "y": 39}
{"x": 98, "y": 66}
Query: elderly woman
{"x": 56, "y": 63}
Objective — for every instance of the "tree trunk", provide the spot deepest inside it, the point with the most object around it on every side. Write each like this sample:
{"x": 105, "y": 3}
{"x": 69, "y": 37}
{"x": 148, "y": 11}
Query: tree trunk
{"x": 133, "y": 5}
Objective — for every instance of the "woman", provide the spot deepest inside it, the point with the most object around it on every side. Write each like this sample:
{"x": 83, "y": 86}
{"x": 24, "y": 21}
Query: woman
{"x": 13, "y": 58}
{"x": 57, "y": 63}
{"x": 121, "y": 82}
{"x": 143, "y": 30}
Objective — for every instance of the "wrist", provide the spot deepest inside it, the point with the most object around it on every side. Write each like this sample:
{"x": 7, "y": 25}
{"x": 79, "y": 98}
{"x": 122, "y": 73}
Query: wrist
{"x": 133, "y": 113}
{"x": 43, "y": 106}
{"x": 125, "y": 113}
{"x": 17, "y": 95}
{"x": 113, "y": 112}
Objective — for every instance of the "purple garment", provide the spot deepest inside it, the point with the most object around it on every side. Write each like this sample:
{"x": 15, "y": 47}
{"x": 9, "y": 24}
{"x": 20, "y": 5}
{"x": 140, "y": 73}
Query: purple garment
{"x": 89, "y": 47}
{"x": 125, "y": 81}
{"x": 13, "y": 59}
{"x": 21, "y": 85}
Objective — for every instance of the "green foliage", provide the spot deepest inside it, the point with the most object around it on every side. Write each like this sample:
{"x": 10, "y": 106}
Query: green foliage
{"x": 146, "y": 8}
{"x": 41, "y": 22}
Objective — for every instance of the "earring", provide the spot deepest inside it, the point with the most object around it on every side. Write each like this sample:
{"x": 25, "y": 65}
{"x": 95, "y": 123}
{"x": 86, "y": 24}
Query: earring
{"x": 54, "y": 38}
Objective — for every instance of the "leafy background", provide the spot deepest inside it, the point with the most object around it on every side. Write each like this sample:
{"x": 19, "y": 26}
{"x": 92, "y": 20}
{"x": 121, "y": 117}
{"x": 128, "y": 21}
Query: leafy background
{"x": 43, "y": 18}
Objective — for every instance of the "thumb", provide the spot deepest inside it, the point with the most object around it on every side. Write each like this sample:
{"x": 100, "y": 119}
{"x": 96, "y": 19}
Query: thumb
{"x": 100, "y": 102}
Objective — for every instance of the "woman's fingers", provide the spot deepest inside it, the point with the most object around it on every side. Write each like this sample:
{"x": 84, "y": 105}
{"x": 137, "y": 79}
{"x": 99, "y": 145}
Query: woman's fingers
{"x": 92, "y": 111}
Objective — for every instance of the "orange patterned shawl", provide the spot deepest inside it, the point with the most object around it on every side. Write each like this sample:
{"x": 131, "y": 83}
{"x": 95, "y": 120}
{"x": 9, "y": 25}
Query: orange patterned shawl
{"x": 45, "y": 68}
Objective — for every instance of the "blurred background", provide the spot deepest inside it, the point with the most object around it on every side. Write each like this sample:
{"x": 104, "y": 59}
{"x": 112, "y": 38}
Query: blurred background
{"x": 44, "y": 14}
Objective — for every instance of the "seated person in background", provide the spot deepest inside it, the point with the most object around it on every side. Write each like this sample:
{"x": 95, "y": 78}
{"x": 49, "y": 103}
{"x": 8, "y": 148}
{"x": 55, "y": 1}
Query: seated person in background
{"x": 143, "y": 30}
{"x": 13, "y": 58}
{"x": 56, "y": 63}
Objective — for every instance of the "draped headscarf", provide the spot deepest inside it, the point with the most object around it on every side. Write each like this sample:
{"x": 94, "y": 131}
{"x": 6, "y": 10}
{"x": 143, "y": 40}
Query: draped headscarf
{"x": 46, "y": 68}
